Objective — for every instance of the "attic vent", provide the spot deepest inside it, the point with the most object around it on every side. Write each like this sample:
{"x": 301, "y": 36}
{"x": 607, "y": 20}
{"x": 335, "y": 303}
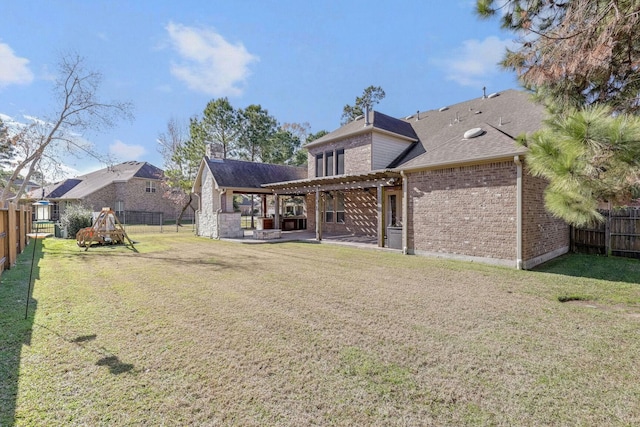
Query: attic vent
{"x": 493, "y": 95}
{"x": 358, "y": 118}
{"x": 443, "y": 109}
{"x": 472, "y": 133}
{"x": 408, "y": 117}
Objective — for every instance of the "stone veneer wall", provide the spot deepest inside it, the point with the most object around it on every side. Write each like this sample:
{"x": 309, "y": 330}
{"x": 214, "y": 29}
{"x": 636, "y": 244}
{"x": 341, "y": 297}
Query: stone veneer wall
{"x": 357, "y": 154}
{"x": 211, "y": 223}
{"x": 466, "y": 211}
{"x": 209, "y": 200}
{"x": 543, "y": 236}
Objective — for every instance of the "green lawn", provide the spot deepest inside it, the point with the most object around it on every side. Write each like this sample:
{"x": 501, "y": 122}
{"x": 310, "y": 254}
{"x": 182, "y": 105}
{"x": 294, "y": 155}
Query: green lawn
{"x": 191, "y": 331}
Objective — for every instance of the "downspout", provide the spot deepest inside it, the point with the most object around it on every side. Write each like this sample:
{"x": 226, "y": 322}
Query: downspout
{"x": 518, "y": 163}
{"x": 219, "y": 211}
{"x": 405, "y": 214}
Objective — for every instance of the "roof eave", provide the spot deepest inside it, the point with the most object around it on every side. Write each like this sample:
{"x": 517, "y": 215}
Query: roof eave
{"x": 354, "y": 132}
{"x": 485, "y": 159}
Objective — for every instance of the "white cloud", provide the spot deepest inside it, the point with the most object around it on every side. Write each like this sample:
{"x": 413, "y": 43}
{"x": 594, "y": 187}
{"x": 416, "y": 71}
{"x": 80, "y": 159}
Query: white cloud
{"x": 126, "y": 151}
{"x": 209, "y": 64}
{"x": 13, "y": 69}
{"x": 475, "y": 61}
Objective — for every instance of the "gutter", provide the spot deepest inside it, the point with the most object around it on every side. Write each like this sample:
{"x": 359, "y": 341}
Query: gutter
{"x": 518, "y": 162}
{"x": 461, "y": 162}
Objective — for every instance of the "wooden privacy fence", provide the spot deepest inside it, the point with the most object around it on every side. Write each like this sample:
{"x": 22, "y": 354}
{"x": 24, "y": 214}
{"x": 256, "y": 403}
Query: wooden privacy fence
{"x": 618, "y": 235}
{"x": 15, "y": 224}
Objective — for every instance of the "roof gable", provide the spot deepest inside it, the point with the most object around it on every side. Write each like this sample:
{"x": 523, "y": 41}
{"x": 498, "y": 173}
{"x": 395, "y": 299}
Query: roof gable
{"x": 377, "y": 122}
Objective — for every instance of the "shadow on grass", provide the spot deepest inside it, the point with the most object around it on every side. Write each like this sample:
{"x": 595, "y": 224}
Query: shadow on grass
{"x": 15, "y": 330}
{"x": 115, "y": 365}
{"x": 615, "y": 269}
{"x": 107, "y": 359}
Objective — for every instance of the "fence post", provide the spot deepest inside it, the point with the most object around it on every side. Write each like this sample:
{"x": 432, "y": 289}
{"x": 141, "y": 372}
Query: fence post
{"x": 12, "y": 235}
{"x": 607, "y": 235}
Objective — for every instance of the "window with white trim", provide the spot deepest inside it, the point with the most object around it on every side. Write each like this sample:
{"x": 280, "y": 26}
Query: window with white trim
{"x": 339, "y": 207}
{"x": 151, "y": 187}
{"x": 334, "y": 207}
{"x": 328, "y": 207}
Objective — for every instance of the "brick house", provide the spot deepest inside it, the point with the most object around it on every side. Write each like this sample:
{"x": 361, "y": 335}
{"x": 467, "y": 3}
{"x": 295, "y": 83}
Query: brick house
{"x": 126, "y": 187}
{"x": 450, "y": 182}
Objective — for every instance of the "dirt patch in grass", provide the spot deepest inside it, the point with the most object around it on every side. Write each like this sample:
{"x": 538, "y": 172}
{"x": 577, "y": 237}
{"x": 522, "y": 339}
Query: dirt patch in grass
{"x": 199, "y": 332}
{"x": 630, "y": 311}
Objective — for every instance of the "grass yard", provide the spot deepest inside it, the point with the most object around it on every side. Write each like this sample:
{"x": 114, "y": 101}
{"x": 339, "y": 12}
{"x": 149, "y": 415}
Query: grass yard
{"x": 194, "y": 331}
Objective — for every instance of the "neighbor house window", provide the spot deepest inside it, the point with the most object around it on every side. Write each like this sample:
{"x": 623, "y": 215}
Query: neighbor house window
{"x": 340, "y": 161}
{"x": 319, "y": 165}
{"x": 328, "y": 207}
{"x": 151, "y": 187}
{"x": 328, "y": 163}
{"x": 55, "y": 211}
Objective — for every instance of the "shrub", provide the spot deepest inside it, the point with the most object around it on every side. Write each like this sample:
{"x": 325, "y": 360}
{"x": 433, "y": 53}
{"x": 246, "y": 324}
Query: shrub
{"x": 74, "y": 218}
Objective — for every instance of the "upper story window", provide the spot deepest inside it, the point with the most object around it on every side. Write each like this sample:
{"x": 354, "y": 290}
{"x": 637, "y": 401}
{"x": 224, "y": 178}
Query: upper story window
{"x": 319, "y": 170}
{"x": 340, "y": 161}
{"x": 330, "y": 163}
{"x": 151, "y": 187}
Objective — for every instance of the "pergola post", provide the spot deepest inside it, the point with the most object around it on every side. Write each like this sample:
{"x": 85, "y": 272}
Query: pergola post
{"x": 380, "y": 211}
{"x": 276, "y": 208}
{"x": 318, "y": 216}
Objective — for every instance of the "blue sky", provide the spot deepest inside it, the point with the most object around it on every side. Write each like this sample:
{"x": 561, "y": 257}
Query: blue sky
{"x": 301, "y": 60}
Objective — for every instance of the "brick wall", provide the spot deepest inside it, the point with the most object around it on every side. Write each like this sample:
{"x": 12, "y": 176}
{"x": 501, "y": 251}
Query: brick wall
{"x": 135, "y": 197}
{"x": 542, "y": 234}
{"x": 469, "y": 211}
{"x": 360, "y": 214}
{"x": 357, "y": 154}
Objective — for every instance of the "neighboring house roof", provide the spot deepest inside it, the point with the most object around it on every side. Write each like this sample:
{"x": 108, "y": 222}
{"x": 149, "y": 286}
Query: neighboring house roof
{"x": 377, "y": 121}
{"x": 60, "y": 189}
{"x": 85, "y": 185}
{"x": 239, "y": 174}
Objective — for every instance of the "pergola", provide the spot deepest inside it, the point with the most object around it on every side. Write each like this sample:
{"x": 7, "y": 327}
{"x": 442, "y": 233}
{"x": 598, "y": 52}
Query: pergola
{"x": 375, "y": 179}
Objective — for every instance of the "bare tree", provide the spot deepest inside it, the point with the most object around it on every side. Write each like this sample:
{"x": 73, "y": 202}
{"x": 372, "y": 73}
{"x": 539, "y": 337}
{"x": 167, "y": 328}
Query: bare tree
{"x": 78, "y": 109}
{"x": 180, "y": 168}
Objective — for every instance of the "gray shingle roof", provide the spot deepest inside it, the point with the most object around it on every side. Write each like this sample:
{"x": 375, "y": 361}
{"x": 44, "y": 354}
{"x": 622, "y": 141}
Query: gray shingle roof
{"x": 441, "y": 133}
{"x": 378, "y": 121}
{"x": 84, "y": 185}
{"x": 240, "y": 174}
